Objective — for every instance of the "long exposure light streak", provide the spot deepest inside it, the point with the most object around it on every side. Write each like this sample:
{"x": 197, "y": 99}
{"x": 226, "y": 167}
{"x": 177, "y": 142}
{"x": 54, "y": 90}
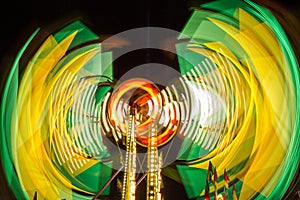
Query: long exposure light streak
{"x": 227, "y": 121}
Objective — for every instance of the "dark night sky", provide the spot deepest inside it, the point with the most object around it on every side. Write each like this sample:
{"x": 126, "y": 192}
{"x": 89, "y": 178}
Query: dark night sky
{"x": 20, "y": 18}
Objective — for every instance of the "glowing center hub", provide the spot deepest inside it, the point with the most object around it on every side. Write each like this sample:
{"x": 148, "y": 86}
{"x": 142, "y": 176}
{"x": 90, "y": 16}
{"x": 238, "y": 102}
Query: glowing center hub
{"x": 143, "y": 99}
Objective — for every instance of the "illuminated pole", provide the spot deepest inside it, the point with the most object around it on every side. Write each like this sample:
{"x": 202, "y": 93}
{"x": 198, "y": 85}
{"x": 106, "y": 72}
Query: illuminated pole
{"x": 154, "y": 180}
{"x": 129, "y": 181}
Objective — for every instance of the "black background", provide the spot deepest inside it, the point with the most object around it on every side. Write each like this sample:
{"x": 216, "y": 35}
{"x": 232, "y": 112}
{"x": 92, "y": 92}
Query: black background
{"x": 18, "y": 20}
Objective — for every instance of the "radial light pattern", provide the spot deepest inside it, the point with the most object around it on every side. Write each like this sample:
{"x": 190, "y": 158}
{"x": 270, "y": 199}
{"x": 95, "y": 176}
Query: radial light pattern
{"x": 227, "y": 123}
{"x": 49, "y": 118}
{"x": 239, "y": 53}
